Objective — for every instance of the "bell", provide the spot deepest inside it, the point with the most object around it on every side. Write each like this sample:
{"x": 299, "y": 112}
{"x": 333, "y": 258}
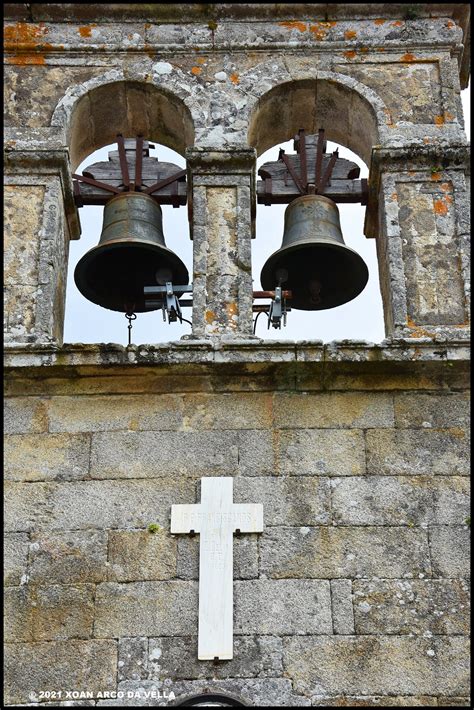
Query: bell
{"x": 131, "y": 254}
{"x": 313, "y": 262}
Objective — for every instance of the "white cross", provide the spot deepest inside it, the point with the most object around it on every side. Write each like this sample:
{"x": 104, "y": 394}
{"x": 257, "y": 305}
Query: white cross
{"x": 216, "y": 519}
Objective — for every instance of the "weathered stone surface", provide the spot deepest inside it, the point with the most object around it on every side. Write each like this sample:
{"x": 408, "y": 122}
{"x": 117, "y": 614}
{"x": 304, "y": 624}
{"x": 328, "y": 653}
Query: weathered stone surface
{"x": 418, "y": 451}
{"x": 146, "y": 609}
{"x": 374, "y": 701}
{"x": 344, "y": 552}
{"x": 140, "y": 555}
{"x": 341, "y": 605}
{"x": 428, "y": 607}
{"x": 375, "y": 665}
{"x": 401, "y": 500}
{"x": 450, "y": 550}
{"x": 23, "y": 208}
{"x": 227, "y": 411}
{"x": 43, "y": 457}
{"x": 133, "y": 658}
{"x": 176, "y": 658}
{"x": 156, "y": 454}
{"x": 94, "y": 504}
{"x": 32, "y": 667}
{"x": 22, "y": 415}
{"x": 257, "y": 454}
{"x": 15, "y": 548}
{"x": 49, "y": 613}
{"x": 359, "y": 410}
{"x": 286, "y": 606}
{"x": 245, "y": 554}
{"x": 431, "y": 410}
{"x": 307, "y": 452}
{"x": 287, "y": 501}
{"x": 122, "y": 412}
{"x": 68, "y": 557}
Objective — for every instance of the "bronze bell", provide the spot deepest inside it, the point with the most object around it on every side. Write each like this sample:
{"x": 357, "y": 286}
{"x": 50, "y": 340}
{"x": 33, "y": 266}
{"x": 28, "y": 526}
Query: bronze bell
{"x": 131, "y": 254}
{"x": 313, "y": 262}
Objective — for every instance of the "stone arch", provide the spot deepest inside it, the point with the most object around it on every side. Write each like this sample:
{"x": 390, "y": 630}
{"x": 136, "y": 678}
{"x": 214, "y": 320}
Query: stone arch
{"x": 91, "y": 114}
{"x": 351, "y": 113}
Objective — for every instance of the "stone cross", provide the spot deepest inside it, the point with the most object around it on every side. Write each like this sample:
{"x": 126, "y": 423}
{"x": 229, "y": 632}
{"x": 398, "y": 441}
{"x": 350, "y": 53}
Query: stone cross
{"x": 216, "y": 519}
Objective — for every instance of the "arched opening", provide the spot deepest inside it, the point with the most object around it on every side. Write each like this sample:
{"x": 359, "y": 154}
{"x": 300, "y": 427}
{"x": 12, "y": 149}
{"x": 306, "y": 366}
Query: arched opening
{"x": 350, "y": 125}
{"x": 130, "y": 109}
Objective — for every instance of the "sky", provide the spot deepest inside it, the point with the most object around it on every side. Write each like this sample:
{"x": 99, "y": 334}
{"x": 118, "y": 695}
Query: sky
{"x": 360, "y": 319}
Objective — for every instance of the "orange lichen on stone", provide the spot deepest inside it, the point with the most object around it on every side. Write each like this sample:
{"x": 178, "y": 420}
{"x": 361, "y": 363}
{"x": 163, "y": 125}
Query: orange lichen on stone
{"x": 394, "y": 196}
{"x": 436, "y": 176}
{"x": 201, "y": 60}
{"x": 380, "y": 49}
{"x": 439, "y": 120}
{"x": 24, "y": 33}
{"x": 379, "y": 21}
{"x": 450, "y": 24}
{"x": 397, "y": 23}
{"x": 234, "y": 78}
{"x": 210, "y": 316}
{"x": 445, "y": 186}
{"x": 427, "y": 140}
{"x": 364, "y": 50}
{"x": 294, "y": 25}
{"x": 408, "y": 57}
{"x": 441, "y": 206}
{"x": 351, "y": 54}
{"x": 196, "y": 71}
{"x": 350, "y": 34}
{"x": 448, "y": 116}
{"x": 418, "y": 332}
{"x": 86, "y": 30}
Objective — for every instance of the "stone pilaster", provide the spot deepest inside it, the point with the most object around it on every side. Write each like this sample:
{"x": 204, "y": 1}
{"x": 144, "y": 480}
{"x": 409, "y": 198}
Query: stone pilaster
{"x": 40, "y": 219}
{"x": 222, "y": 203}
{"x": 419, "y": 213}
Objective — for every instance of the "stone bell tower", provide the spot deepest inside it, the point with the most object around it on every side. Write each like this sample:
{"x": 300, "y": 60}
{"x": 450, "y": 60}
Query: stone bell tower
{"x": 355, "y": 592}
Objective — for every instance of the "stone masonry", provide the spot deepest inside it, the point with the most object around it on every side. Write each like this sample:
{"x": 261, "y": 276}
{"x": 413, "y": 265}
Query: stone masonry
{"x": 356, "y": 593}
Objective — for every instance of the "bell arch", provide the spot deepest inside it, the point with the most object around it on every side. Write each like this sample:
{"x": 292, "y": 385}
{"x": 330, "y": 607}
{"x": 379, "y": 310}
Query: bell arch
{"x": 93, "y": 113}
{"x": 351, "y": 113}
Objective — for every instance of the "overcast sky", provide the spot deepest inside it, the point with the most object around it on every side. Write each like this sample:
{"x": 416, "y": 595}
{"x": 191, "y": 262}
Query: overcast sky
{"x": 360, "y": 319}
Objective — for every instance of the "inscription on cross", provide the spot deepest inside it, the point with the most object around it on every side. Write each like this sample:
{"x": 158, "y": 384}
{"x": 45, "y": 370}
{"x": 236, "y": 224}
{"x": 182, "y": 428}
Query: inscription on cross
{"x": 216, "y": 519}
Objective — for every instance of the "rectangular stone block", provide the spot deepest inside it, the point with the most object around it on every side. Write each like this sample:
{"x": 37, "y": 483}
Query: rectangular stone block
{"x": 24, "y": 415}
{"x": 245, "y": 554}
{"x": 140, "y": 555}
{"x": 94, "y": 504}
{"x": 15, "y": 548}
{"x": 307, "y": 452}
{"x": 23, "y": 210}
{"x": 151, "y": 454}
{"x": 341, "y": 603}
{"x": 400, "y": 500}
{"x": 450, "y": 550}
{"x": 286, "y": 606}
{"x": 374, "y": 701}
{"x": 378, "y": 665}
{"x": 231, "y": 410}
{"x": 431, "y": 410}
{"x": 68, "y": 557}
{"x": 428, "y": 606}
{"x": 133, "y": 658}
{"x": 32, "y": 667}
{"x": 115, "y": 413}
{"x": 418, "y": 451}
{"x": 257, "y": 452}
{"x": 43, "y": 457}
{"x": 287, "y": 501}
{"x": 176, "y": 658}
{"x": 146, "y": 609}
{"x": 333, "y": 410}
{"x": 334, "y": 552}
{"x": 50, "y": 613}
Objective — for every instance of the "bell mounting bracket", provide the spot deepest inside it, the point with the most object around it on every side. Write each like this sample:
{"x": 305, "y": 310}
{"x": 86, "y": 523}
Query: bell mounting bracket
{"x": 130, "y": 168}
{"x": 311, "y": 171}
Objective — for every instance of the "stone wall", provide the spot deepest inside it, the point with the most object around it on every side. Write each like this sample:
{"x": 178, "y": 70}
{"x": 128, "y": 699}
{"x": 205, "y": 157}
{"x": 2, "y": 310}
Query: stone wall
{"x": 356, "y": 592}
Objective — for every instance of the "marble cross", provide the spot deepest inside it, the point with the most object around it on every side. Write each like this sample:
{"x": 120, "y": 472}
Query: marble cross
{"x": 216, "y": 519}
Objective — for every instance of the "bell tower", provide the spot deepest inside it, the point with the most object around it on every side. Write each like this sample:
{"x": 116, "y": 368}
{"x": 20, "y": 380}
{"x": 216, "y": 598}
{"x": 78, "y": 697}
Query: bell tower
{"x": 353, "y": 589}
